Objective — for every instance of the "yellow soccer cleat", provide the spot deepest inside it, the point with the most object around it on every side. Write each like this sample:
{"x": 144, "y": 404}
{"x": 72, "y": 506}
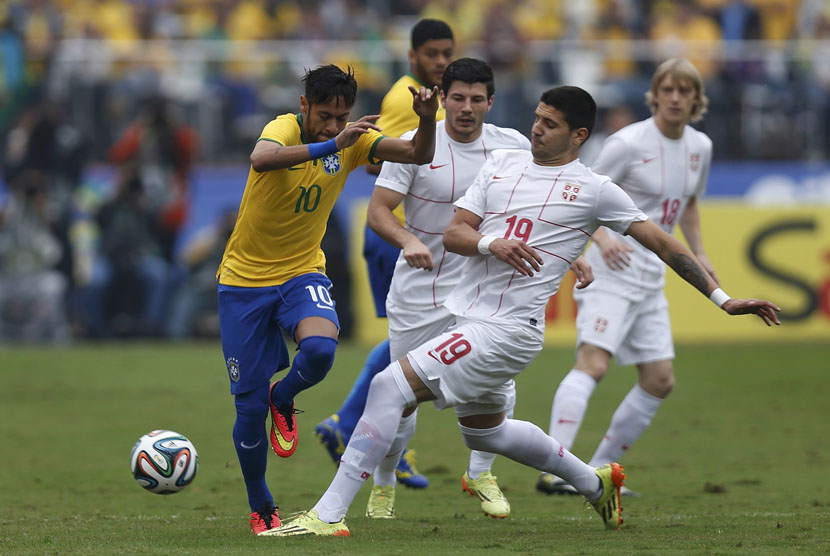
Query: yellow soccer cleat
{"x": 381, "y": 502}
{"x": 308, "y": 523}
{"x": 493, "y": 502}
{"x": 608, "y": 505}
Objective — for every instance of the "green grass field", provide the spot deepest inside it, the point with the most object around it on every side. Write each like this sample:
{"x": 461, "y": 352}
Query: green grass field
{"x": 733, "y": 463}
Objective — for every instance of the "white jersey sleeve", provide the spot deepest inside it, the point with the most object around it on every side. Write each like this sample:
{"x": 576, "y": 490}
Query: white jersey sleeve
{"x": 615, "y": 209}
{"x": 396, "y": 176}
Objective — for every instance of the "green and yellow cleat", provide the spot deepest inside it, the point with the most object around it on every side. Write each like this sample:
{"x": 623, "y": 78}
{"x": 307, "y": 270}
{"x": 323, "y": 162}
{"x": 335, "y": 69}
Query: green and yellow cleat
{"x": 381, "y": 502}
{"x": 308, "y": 523}
{"x": 493, "y": 502}
{"x": 608, "y": 505}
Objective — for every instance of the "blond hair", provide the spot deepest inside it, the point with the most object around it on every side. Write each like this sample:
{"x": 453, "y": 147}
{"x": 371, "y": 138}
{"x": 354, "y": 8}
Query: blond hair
{"x": 680, "y": 69}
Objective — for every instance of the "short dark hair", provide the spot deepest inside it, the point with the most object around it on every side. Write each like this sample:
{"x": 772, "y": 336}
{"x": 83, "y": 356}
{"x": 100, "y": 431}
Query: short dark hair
{"x": 468, "y": 70}
{"x": 326, "y": 83}
{"x": 576, "y": 104}
{"x": 429, "y": 29}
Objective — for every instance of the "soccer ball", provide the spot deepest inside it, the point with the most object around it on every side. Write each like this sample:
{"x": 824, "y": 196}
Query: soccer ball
{"x": 164, "y": 462}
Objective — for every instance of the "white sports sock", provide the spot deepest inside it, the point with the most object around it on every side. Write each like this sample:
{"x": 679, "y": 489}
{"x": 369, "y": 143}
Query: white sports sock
{"x": 569, "y": 405}
{"x": 481, "y": 462}
{"x": 528, "y": 444}
{"x": 369, "y": 443}
{"x": 630, "y": 420}
{"x": 385, "y": 472}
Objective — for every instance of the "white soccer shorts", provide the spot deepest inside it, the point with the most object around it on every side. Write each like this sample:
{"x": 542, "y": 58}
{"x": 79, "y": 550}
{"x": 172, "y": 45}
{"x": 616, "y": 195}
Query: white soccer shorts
{"x": 471, "y": 367}
{"x": 633, "y": 331}
{"x": 409, "y": 329}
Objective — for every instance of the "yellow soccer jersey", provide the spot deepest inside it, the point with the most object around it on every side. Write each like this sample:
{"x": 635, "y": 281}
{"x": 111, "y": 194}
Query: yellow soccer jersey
{"x": 283, "y": 213}
{"x": 396, "y": 113}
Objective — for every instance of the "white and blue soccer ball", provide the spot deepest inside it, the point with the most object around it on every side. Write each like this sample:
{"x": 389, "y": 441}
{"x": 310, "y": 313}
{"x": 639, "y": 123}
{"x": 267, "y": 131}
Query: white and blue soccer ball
{"x": 164, "y": 462}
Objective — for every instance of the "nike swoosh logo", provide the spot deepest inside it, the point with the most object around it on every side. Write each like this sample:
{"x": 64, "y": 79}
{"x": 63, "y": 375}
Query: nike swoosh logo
{"x": 292, "y": 168}
{"x": 500, "y": 177}
{"x": 647, "y": 160}
{"x": 434, "y": 167}
{"x": 283, "y": 444}
{"x": 321, "y": 306}
{"x": 567, "y": 422}
{"x": 258, "y": 442}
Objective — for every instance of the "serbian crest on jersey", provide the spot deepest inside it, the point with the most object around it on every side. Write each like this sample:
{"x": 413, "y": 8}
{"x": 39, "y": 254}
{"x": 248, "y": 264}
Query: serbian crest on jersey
{"x": 233, "y": 368}
{"x": 331, "y": 163}
{"x": 694, "y": 161}
{"x": 570, "y": 191}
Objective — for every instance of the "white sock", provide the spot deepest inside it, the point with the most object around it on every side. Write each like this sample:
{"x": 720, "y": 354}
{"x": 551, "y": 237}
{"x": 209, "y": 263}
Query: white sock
{"x": 630, "y": 420}
{"x": 369, "y": 443}
{"x": 528, "y": 444}
{"x": 569, "y": 404}
{"x": 480, "y": 462}
{"x": 385, "y": 472}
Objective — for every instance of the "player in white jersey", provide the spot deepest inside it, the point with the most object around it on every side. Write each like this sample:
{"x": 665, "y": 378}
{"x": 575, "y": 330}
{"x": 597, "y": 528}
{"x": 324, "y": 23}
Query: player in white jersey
{"x": 425, "y": 272}
{"x": 524, "y": 220}
{"x": 662, "y": 163}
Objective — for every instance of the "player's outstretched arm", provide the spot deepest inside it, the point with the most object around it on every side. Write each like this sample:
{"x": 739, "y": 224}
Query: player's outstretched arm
{"x": 685, "y": 264}
{"x": 421, "y": 148}
{"x": 268, "y": 155}
{"x": 462, "y": 237}
{"x": 383, "y": 222}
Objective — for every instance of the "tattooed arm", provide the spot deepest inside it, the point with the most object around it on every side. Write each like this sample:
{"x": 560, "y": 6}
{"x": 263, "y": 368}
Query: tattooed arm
{"x": 686, "y": 265}
{"x": 673, "y": 253}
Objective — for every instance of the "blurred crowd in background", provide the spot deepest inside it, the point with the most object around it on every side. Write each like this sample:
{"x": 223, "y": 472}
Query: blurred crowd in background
{"x": 154, "y": 87}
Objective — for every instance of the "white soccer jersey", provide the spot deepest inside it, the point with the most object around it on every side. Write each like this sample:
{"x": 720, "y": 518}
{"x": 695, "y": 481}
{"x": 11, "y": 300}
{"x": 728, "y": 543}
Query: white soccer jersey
{"x": 554, "y": 209}
{"x": 430, "y": 191}
{"x": 660, "y": 175}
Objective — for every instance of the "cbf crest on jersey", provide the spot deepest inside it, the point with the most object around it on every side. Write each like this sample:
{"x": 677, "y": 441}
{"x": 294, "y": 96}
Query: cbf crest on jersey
{"x": 331, "y": 163}
{"x": 233, "y": 368}
{"x": 570, "y": 191}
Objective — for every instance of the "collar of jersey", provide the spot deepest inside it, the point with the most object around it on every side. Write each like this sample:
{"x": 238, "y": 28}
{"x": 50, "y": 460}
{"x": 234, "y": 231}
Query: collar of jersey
{"x": 415, "y": 79}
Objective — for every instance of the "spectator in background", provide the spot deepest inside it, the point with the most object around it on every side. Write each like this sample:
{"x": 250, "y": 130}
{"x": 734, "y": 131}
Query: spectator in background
{"x": 194, "y": 310}
{"x": 504, "y": 52}
{"x": 160, "y": 150}
{"x": 32, "y": 306}
{"x": 682, "y": 29}
{"x": 128, "y": 290}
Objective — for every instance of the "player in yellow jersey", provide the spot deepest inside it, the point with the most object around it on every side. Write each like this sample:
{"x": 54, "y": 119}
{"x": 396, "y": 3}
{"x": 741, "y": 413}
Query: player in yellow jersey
{"x": 272, "y": 276}
{"x": 431, "y": 51}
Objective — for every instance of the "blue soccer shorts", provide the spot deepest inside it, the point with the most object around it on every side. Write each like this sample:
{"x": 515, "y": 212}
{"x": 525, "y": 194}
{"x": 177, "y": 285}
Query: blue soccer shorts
{"x": 380, "y": 262}
{"x": 252, "y": 322}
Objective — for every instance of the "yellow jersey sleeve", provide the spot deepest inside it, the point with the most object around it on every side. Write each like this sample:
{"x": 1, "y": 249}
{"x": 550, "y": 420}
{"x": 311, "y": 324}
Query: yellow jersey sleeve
{"x": 283, "y": 213}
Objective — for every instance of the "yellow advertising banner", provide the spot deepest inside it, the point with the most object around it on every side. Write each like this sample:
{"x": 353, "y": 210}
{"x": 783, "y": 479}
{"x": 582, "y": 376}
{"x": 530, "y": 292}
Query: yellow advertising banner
{"x": 776, "y": 253}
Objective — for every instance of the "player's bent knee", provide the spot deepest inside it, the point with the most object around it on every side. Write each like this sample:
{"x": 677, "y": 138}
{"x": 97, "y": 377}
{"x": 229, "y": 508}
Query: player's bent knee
{"x": 485, "y": 440}
{"x": 252, "y": 405}
{"x": 318, "y": 352}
